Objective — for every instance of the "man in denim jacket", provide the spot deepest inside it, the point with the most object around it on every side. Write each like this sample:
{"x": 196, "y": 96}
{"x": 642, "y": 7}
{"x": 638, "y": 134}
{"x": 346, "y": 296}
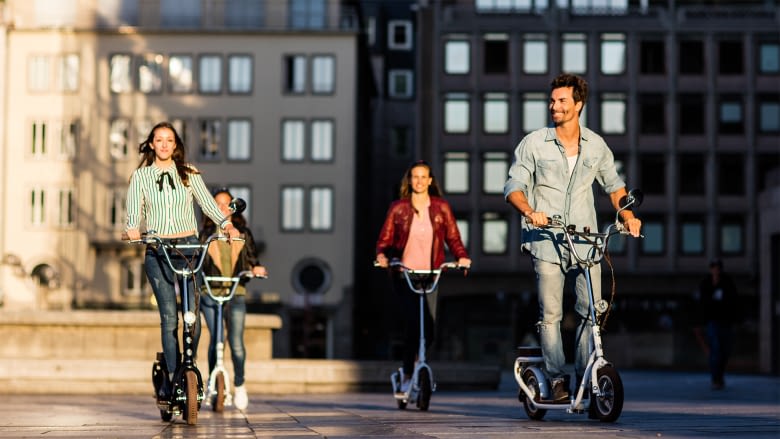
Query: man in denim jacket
{"x": 552, "y": 174}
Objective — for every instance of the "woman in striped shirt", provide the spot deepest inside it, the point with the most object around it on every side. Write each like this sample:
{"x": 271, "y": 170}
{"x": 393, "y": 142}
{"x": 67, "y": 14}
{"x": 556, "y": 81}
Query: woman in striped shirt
{"x": 161, "y": 193}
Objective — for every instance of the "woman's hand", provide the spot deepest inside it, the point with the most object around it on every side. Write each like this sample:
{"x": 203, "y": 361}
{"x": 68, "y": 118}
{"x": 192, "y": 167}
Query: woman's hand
{"x": 260, "y": 271}
{"x": 231, "y": 231}
{"x": 464, "y": 262}
{"x": 381, "y": 260}
{"x": 133, "y": 234}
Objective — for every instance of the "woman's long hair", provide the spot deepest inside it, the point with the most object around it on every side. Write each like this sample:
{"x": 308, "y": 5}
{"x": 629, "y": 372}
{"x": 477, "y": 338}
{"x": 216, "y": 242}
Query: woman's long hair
{"x": 179, "y": 154}
{"x": 405, "y": 191}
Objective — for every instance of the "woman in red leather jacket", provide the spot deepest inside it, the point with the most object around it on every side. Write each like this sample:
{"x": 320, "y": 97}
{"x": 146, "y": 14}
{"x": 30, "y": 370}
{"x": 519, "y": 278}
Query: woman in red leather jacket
{"x": 415, "y": 230}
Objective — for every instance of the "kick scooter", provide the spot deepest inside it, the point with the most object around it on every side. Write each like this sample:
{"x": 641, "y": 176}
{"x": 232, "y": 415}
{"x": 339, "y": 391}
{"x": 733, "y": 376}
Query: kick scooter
{"x": 601, "y": 384}
{"x": 422, "y": 385}
{"x": 218, "y": 394}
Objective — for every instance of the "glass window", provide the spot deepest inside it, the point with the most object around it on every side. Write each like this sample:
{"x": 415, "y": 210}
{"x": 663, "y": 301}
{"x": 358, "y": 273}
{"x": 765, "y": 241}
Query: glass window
{"x": 613, "y": 113}
{"x": 764, "y": 164}
{"x": 180, "y": 73}
{"x": 400, "y": 83}
{"x": 457, "y": 57}
{"x": 535, "y": 54}
{"x": 730, "y": 118}
{"x": 210, "y": 74}
{"x": 321, "y": 208}
{"x": 613, "y": 54}
{"x": 119, "y": 138}
{"x": 769, "y": 58}
{"x": 456, "y": 172}
{"x": 652, "y": 57}
{"x": 293, "y": 138}
{"x": 769, "y": 114}
{"x": 116, "y": 208}
{"x": 691, "y": 60}
{"x": 322, "y": 140}
{"x": 535, "y": 112}
{"x": 732, "y": 232}
{"x": 240, "y": 74}
{"x": 210, "y": 138}
{"x": 399, "y": 35}
{"x": 180, "y": 13}
{"x": 180, "y": 125}
{"x": 69, "y": 73}
{"x": 494, "y": 233}
{"x": 463, "y": 229}
{"x": 495, "y": 168}
{"x": 37, "y": 206}
{"x": 731, "y": 174}
{"x": 496, "y": 53}
{"x": 117, "y": 12}
{"x": 239, "y": 139}
{"x": 292, "y": 208}
{"x": 574, "y": 56}
{"x": 295, "y": 74}
{"x": 38, "y": 73}
{"x": 120, "y": 75}
{"x": 456, "y": 113}
{"x": 651, "y": 113}
{"x": 244, "y": 14}
{"x": 400, "y": 141}
{"x": 39, "y": 138}
{"x": 307, "y": 14}
{"x": 654, "y": 242}
{"x": 65, "y": 208}
{"x": 69, "y": 138}
{"x": 692, "y": 174}
{"x": 150, "y": 73}
{"x": 730, "y": 58}
{"x": 691, "y": 113}
{"x": 691, "y": 236}
{"x": 323, "y": 74}
{"x": 652, "y": 174}
{"x": 495, "y": 119}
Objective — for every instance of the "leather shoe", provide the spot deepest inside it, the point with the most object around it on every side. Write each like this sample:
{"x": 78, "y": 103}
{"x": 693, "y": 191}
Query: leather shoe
{"x": 559, "y": 391}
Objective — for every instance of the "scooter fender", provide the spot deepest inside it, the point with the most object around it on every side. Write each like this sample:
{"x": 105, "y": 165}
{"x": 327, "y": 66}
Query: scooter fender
{"x": 544, "y": 388}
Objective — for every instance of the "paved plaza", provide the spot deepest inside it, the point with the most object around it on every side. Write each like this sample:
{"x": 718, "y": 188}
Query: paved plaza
{"x": 658, "y": 405}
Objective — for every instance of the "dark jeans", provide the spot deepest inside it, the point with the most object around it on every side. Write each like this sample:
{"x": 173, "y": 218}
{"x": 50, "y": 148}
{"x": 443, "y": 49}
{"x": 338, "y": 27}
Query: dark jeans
{"x": 719, "y": 339}
{"x": 233, "y": 316}
{"x": 161, "y": 279}
{"x": 409, "y": 315}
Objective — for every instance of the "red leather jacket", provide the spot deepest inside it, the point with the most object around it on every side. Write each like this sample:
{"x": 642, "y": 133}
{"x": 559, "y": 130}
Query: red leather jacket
{"x": 395, "y": 231}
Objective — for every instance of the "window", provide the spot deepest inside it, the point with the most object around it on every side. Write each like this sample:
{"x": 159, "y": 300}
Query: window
{"x": 295, "y": 74}
{"x": 495, "y": 168}
{"x": 769, "y": 58}
{"x": 120, "y": 75}
{"x": 651, "y": 114}
{"x": 180, "y": 125}
{"x": 765, "y": 163}
{"x": 240, "y": 74}
{"x": 117, "y": 208}
{"x": 321, "y": 209}
{"x": 535, "y": 54}
{"x": 293, "y": 138}
{"x": 731, "y": 174}
{"x": 244, "y": 14}
{"x": 535, "y": 111}
{"x": 399, "y": 35}
{"x": 574, "y": 55}
{"x": 691, "y": 59}
{"x": 322, "y": 140}
{"x": 239, "y": 137}
{"x": 142, "y": 129}
{"x": 323, "y": 74}
{"x": 769, "y": 114}
{"x": 654, "y": 230}
{"x": 307, "y": 14}
{"x": 210, "y": 74}
{"x": 495, "y": 117}
{"x": 463, "y": 229}
{"x": 180, "y": 73}
{"x": 37, "y": 207}
{"x": 39, "y": 143}
{"x": 55, "y": 13}
{"x": 457, "y": 57}
{"x": 692, "y": 174}
{"x": 652, "y": 57}
{"x": 117, "y": 13}
{"x": 730, "y": 117}
{"x": 150, "y": 73}
{"x": 134, "y": 280}
{"x": 494, "y": 233}
{"x": 180, "y": 13}
{"x": 496, "y": 53}
{"x": 613, "y": 113}
{"x": 68, "y": 135}
{"x": 400, "y": 83}
{"x": 456, "y": 113}
{"x": 119, "y": 138}
{"x": 69, "y": 73}
{"x": 400, "y": 142}
{"x": 38, "y": 73}
{"x": 65, "y": 208}
{"x": 732, "y": 235}
{"x": 292, "y": 208}
{"x": 210, "y": 139}
{"x": 456, "y": 173}
{"x": 691, "y": 113}
{"x": 691, "y": 238}
{"x": 652, "y": 174}
{"x": 613, "y": 54}
{"x": 730, "y": 58}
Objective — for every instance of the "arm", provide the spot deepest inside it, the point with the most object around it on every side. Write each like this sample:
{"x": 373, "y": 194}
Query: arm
{"x": 134, "y": 207}
{"x": 519, "y": 201}
{"x": 385, "y": 241}
{"x": 452, "y": 236}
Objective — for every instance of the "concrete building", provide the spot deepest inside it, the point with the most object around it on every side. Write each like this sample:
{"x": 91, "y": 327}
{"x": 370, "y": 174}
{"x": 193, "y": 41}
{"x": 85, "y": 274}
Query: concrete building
{"x": 265, "y": 95}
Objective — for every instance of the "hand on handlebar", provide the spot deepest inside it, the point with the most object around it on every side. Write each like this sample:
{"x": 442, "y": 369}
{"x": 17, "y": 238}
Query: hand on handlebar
{"x": 259, "y": 271}
{"x": 381, "y": 261}
{"x": 634, "y": 226}
{"x": 538, "y": 219}
{"x": 131, "y": 235}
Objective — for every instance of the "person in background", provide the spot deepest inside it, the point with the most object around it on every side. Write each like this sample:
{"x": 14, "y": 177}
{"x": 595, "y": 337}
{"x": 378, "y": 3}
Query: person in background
{"x": 228, "y": 259}
{"x": 415, "y": 230}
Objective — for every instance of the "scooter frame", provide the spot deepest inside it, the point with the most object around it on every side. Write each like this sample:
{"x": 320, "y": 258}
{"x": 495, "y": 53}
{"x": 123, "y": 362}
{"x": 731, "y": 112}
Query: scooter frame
{"x": 421, "y": 282}
{"x": 605, "y": 393}
{"x": 219, "y": 378}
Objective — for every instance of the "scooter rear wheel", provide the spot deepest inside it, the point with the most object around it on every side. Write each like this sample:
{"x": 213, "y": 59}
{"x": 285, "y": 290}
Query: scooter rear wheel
{"x": 165, "y": 415}
{"x": 529, "y": 377}
{"x": 191, "y": 394}
{"x": 219, "y": 398}
{"x": 424, "y": 399}
{"x": 609, "y": 405}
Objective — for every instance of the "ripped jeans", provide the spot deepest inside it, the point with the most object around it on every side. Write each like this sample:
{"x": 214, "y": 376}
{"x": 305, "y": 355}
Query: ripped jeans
{"x": 550, "y": 280}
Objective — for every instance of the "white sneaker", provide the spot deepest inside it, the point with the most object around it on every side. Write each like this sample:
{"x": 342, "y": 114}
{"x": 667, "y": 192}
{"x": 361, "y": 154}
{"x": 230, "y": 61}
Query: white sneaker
{"x": 240, "y": 398}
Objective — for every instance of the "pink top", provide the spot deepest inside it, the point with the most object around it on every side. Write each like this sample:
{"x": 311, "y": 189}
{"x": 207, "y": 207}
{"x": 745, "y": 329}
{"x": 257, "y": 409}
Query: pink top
{"x": 417, "y": 253}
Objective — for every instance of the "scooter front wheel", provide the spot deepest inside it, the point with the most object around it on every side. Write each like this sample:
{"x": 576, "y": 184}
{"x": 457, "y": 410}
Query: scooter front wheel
{"x": 424, "y": 399}
{"x": 219, "y": 398}
{"x": 165, "y": 415}
{"x": 531, "y": 381}
{"x": 609, "y": 405}
{"x": 191, "y": 394}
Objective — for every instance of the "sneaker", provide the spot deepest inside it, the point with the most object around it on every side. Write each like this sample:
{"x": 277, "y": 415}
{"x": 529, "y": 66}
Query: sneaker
{"x": 240, "y": 398}
{"x": 559, "y": 391}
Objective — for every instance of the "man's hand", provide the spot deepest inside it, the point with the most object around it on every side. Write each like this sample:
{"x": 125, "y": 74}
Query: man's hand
{"x": 537, "y": 219}
{"x": 634, "y": 226}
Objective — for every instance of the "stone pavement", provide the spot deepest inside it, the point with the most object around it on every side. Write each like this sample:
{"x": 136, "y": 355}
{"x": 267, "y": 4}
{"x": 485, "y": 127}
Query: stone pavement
{"x": 658, "y": 404}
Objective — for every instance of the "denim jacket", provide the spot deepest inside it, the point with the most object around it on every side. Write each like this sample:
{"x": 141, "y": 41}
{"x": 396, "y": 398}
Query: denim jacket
{"x": 540, "y": 170}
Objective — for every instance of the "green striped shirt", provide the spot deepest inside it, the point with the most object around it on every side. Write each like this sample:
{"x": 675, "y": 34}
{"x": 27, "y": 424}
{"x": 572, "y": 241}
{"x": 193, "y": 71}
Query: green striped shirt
{"x": 168, "y": 210}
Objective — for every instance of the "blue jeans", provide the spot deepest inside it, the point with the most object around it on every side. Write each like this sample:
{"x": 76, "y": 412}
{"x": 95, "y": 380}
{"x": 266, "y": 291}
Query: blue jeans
{"x": 550, "y": 280}
{"x": 719, "y": 339}
{"x": 234, "y": 316}
{"x": 161, "y": 279}
{"x": 409, "y": 314}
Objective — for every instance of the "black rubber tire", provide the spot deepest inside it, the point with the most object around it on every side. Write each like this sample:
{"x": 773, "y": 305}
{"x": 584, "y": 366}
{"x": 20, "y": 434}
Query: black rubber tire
{"x": 530, "y": 380}
{"x": 401, "y": 404}
{"x": 219, "y": 399}
{"x": 190, "y": 411}
{"x": 609, "y": 406}
{"x": 166, "y": 416}
{"x": 424, "y": 398}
